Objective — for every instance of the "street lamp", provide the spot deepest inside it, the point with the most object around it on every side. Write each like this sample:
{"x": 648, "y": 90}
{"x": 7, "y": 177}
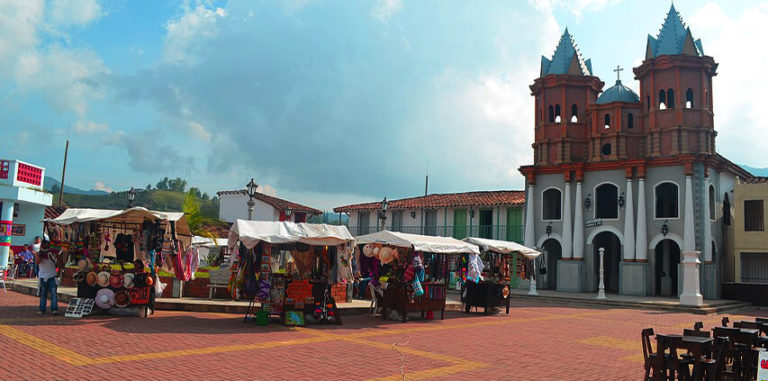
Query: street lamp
{"x": 665, "y": 228}
{"x": 621, "y": 200}
{"x": 131, "y": 197}
{"x": 251, "y": 188}
{"x": 588, "y": 201}
{"x": 549, "y": 229}
{"x": 287, "y": 213}
{"x": 383, "y": 212}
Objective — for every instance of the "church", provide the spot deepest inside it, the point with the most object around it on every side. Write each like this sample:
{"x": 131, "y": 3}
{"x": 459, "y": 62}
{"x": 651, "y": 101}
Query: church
{"x": 635, "y": 174}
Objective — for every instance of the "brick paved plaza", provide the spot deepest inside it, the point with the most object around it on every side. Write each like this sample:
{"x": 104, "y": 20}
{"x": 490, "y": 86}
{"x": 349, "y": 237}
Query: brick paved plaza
{"x": 535, "y": 342}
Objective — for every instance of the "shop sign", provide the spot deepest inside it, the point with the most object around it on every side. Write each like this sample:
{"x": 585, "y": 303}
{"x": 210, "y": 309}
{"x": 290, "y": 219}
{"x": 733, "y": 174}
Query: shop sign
{"x": 19, "y": 230}
{"x": 762, "y": 366}
{"x": 593, "y": 222}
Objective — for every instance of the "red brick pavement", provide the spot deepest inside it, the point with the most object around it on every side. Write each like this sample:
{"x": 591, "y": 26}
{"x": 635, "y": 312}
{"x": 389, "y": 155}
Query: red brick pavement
{"x": 535, "y": 342}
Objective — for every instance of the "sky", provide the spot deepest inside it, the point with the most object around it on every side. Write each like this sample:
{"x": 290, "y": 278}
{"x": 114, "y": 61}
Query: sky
{"x": 329, "y": 103}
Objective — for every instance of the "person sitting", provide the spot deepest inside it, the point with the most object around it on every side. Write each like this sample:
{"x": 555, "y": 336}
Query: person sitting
{"x": 26, "y": 260}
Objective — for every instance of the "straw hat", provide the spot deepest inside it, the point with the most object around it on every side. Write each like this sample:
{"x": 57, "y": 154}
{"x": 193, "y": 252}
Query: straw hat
{"x": 128, "y": 280}
{"x": 103, "y": 280}
{"x": 368, "y": 251}
{"x": 91, "y": 278}
{"x": 116, "y": 280}
{"x": 150, "y": 280}
{"x": 385, "y": 255}
{"x": 105, "y": 298}
{"x": 82, "y": 265}
{"x": 122, "y": 298}
{"x": 79, "y": 276}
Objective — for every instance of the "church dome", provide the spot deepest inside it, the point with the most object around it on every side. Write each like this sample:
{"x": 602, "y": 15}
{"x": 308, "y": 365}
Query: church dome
{"x": 618, "y": 93}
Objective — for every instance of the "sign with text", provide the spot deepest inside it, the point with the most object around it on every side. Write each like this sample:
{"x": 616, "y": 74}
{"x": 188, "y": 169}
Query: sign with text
{"x": 19, "y": 229}
{"x": 593, "y": 222}
{"x": 762, "y": 366}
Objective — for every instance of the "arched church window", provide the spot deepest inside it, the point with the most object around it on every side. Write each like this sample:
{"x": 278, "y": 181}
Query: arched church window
{"x": 607, "y": 120}
{"x": 574, "y": 113}
{"x": 557, "y": 114}
{"x": 607, "y": 201}
{"x": 662, "y": 100}
{"x": 648, "y": 102}
{"x": 670, "y": 98}
{"x": 666, "y": 200}
{"x": 630, "y": 120}
{"x": 550, "y": 206}
{"x": 711, "y": 202}
{"x": 689, "y": 98}
{"x": 551, "y": 114}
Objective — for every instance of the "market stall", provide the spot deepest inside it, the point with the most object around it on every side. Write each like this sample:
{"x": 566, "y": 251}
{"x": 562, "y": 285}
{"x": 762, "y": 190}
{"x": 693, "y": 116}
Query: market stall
{"x": 414, "y": 270}
{"x": 488, "y": 276}
{"x": 119, "y": 252}
{"x": 288, "y": 269}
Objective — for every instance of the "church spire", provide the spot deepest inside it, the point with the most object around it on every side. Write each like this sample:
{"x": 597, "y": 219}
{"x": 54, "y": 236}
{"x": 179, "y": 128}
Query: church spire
{"x": 673, "y": 38}
{"x": 566, "y": 60}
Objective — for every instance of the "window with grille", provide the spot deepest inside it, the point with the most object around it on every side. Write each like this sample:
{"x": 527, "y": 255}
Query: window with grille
{"x": 753, "y": 215}
{"x": 754, "y": 268}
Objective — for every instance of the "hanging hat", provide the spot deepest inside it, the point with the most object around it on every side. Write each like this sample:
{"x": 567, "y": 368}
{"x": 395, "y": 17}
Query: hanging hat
{"x": 368, "y": 251}
{"x": 79, "y": 276}
{"x": 385, "y": 255}
{"x": 103, "y": 279}
{"x": 128, "y": 280}
{"x": 139, "y": 279}
{"x": 105, "y": 298}
{"x": 150, "y": 280}
{"x": 82, "y": 265}
{"x": 116, "y": 280}
{"x": 91, "y": 278}
{"x": 122, "y": 298}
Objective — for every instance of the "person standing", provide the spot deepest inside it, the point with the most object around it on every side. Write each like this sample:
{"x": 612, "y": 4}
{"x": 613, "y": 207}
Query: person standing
{"x": 46, "y": 262}
{"x": 35, "y": 250}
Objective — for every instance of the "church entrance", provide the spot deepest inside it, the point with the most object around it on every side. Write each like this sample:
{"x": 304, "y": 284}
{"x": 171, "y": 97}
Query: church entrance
{"x": 612, "y": 245}
{"x": 551, "y": 253}
{"x": 666, "y": 260}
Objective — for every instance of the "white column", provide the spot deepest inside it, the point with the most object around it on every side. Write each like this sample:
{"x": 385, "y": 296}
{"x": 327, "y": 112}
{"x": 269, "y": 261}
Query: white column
{"x": 578, "y": 228}
{"x": 601, "y": 286}
{"x": 567, "y": 228}
{"x": 707, "y": 244}
{"x": 629, "y": 223}
{"x": 641, "y": 238}
{"x": 529, "y": 239}
{"x": 689, "y": 234}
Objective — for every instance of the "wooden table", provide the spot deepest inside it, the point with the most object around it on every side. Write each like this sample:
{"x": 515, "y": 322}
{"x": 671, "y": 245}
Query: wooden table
{"x": 700, "y": 348}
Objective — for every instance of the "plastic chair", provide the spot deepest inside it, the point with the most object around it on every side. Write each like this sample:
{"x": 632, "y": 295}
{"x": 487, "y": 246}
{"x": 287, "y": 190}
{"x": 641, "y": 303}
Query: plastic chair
{"x": 376, "y": 293}
{"x": 2, "y": 277}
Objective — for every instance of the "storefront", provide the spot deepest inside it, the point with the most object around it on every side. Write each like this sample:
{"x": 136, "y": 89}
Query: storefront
{"x": 488, "y": 276}
{"x": 117, "y": 254}
{"x": 411, "y": 271}
{"x": 288, "y": 270}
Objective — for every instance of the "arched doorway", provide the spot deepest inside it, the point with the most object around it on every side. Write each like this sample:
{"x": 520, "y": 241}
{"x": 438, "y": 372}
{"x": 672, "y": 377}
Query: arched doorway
{"x": 612, "y": 245}
{"x": 666, "y": 260}
{"x": 552, "y": 253}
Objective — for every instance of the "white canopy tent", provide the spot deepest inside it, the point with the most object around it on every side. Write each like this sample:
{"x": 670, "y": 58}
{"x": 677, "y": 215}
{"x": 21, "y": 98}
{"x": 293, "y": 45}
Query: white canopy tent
{"x": 424, "y": 243}
{"x": 250, "y": 233}
{"x": 208, "y": 242}
{"x": 502, "y": 247}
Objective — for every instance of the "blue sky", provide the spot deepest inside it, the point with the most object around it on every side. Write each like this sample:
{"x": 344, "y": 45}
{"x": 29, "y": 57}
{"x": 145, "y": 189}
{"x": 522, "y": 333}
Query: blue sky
{"x": 329, "y": 102}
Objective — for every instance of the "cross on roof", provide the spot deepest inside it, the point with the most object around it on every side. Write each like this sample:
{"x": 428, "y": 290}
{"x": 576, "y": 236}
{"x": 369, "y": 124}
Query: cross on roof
{"x": 618, "y": 71}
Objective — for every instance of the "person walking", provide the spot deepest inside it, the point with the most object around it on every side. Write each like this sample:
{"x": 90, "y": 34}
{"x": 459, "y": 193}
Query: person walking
{"x": 46, "y": 262}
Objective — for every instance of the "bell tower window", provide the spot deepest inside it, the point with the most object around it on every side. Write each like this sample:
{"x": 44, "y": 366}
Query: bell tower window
{"x": 630, "y": 120}
{"x": 557, "y": 114}
{"x": 551, "y": 114}
{"x": 574, "y": 113}
{"x": 662, "y": 100}
{"x": 648, "y": 102}
{"x": 670, "y": 98}
{"x": 689, "y": 98}
{"x": 607, "y": 119}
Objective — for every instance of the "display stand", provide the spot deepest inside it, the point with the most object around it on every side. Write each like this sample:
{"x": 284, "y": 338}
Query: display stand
{"x": 488, "y": 295}
{"x": 399, "y": 297}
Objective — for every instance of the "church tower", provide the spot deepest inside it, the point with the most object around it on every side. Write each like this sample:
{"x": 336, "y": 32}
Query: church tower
{"x": 676, "y": 91}
{"x": 564, "y": 90}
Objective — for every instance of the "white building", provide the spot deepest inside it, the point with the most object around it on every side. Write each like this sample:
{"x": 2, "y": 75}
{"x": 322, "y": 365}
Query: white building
{"x": 234, "y": 205}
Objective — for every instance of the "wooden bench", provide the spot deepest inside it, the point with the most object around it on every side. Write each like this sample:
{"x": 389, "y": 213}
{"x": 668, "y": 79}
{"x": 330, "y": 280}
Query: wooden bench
{"x": 218, "y": 279}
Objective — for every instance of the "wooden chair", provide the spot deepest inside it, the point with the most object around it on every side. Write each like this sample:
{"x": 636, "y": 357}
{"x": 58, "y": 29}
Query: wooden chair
{"x": 725, "y": 321}
{"x": 649, "y": 358}
{"x": 715, "y": 368}
{"x": 698, "y": 326}
{"x": 693, "y": 332}
{"x": 667, "y": 365}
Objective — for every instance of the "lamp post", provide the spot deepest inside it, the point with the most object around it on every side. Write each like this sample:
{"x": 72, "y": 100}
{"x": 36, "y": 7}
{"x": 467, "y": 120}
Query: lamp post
{"x": 601, "y": 286}
{"x": 131, "y": 197}
{"x": 532, "y": 290}
{"x": 287, "y": 213}
{"x": 383, "y": 212}
{"x": 251, "y": 187}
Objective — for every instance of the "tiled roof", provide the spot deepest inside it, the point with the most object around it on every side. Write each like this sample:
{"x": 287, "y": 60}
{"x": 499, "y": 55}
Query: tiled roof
{"x": 618, "y": 93}
{"x": 756, "y": 180}
{"x": 277, "y": 203}
{"x": 54, "y": 211}
{"x": 673, "y": 37}
{"x": 446, "y": 200}
{"x": 566, "y": 60}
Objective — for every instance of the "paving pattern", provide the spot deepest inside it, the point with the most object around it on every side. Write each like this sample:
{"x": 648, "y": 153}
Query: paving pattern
{"x": 536, "y": 341}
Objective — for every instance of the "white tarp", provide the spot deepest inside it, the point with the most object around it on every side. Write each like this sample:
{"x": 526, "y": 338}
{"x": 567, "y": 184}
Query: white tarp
{"x": 425, "y": 243}
{"x": 208, "y": 242}
{"x": 135, "y": 215}
{"x": 502, "y": 247}
{"x": 251, "y": 233}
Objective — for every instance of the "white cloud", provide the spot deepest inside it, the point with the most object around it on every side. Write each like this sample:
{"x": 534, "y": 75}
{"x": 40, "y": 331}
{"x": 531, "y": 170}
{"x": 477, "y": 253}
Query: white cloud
{"x": 189, "y": 32}
{"x": 90, "y": 127}
{"x": 199, "y": 131}
{"x": 267, "y": 190}
{"x": 100, "y": 186}
{"x": 738, "y": 88}
{"x": 383, "y": 10}
{"x": 576, "y": 7}
{"x": 74, "y": 12}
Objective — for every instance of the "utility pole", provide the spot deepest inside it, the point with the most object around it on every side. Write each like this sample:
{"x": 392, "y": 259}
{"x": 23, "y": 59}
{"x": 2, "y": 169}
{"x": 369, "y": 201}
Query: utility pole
{"x": 63, "y": 172}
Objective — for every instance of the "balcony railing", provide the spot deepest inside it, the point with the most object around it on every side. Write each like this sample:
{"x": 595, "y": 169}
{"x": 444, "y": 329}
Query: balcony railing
{"x": 501, "y": 232}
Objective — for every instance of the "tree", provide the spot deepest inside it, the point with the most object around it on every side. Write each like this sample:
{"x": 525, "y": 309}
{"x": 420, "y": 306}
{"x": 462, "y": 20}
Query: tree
{"x": 55, "y": 189}
{"x": 198, "y": 224}
{"x": 196, "y": 192}
{"x": 177, "y": 185}
{"x": 163, "y": 184}
{"x": 205, "y": 196}
{"x": 149, "y": 187}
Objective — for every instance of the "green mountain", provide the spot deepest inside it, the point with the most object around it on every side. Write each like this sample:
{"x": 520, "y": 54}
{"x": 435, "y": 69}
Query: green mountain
{"x": 160, "y": 200}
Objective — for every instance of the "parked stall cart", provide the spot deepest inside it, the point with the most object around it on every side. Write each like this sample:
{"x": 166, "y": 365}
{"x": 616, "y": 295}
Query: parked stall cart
{"x": 414, "y": 270}
{"x": 289, "y": 268}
